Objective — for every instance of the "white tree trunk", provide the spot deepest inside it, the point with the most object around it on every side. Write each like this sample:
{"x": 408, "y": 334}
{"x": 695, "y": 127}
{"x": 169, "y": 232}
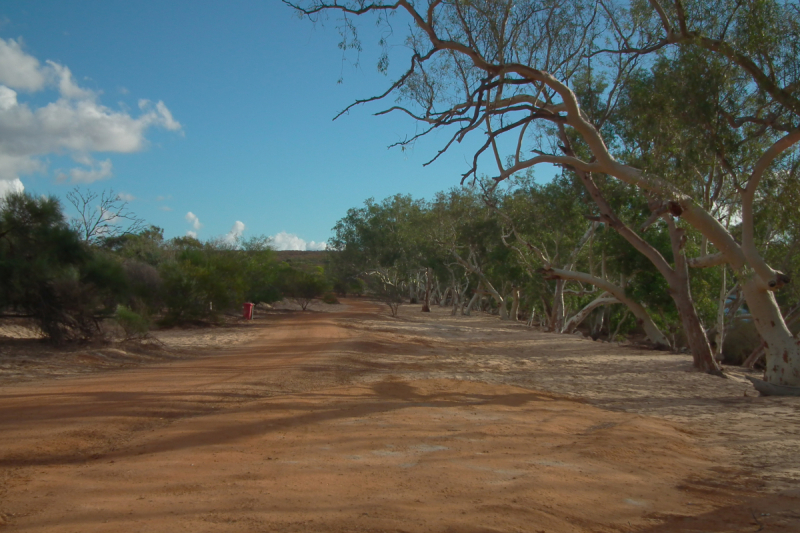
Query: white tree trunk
{"x": 532, "y": 317}
{"x": 557, "y": 315}
{"x": 580, "y": 316}
{"x": 515, "y": 304}
{"x": 472, "y": 301}
{"x": 642, "y": 317}
{"x": 783, "y": 350}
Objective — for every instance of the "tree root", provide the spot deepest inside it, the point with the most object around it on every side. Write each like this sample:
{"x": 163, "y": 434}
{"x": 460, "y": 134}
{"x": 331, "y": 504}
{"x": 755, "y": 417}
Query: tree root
{"x": 769, "y": 389}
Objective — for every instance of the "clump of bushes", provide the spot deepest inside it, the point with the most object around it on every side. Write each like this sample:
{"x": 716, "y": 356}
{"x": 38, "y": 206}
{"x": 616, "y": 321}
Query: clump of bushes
{"x": 133, "y": 324}
{"x": 70, "y": 284}
{"x": 330, "y": 298}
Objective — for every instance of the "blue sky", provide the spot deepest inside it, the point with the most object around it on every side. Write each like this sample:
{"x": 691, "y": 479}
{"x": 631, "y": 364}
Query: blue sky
{"x": 236, "y": 119}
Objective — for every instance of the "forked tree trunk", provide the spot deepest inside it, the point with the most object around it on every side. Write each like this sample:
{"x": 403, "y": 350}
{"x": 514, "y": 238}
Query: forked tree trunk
{"x": 677, "y": 277}
{"x": 642, "y": 317}
{"x": 472, "y": 301}
{"x": 758, "y": 279}
{"x": 782, "y": 349}
{"x": 791, "y": 318}
{"x": 758, "y": 282}
{"x": 471, "y": 265}
{"x": 702, "y": 355}
{"x": 444, "y": 295}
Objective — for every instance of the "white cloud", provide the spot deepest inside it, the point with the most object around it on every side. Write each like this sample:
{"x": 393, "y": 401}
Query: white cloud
{"x": 9, "y": 186}
{"x": 8, "y": 98}
{"x": 192, "y": 234}
{"x": 18, "y": 69}
{"x": 126, "y": 197}
{"x": 235, "y": 232}
{"x": 66, "y": 87}
{"x": 162, "y": 198}
{"x": 75, "y": 123}
{"x": 290, "y": 241}
{"x": 98, "y": 170}
{"x": 192, "y": 219}
{"x": 165, "y": 208}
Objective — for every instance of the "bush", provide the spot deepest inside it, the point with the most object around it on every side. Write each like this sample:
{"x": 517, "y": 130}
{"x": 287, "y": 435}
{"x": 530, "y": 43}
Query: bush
{"x": 47, "y": 272}
{"x": 330, "y": 298}
{"x": 135, "y": 325}
{"x": 302, "y": 287}
{"x": 740, "y": 341}
{"x": 145, "y": 287}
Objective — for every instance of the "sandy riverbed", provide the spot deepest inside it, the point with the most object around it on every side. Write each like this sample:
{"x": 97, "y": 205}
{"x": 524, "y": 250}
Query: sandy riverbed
{"x": 345, "y": 419}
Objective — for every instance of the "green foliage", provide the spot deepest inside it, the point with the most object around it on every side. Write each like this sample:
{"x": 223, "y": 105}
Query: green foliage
{"x": 203, "y": 280}
{"x": 46, "y": 271}
{"x": 146, "y": 246}
{"x": 303, "y": 286}
{"x": 200, "y": 281}
{"x": 386, "y": 291}
{"x": 385, "y": 236}
{"x": 134, "y": 324}
{"x": 330, "y": 298}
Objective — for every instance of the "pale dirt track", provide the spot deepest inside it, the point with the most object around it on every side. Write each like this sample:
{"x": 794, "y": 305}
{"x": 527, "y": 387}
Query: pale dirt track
{"x": 353, "y": 421}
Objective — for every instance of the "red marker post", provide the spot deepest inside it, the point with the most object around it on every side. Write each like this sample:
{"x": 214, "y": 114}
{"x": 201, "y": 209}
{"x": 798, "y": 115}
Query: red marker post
{"x": 247, "y": 313}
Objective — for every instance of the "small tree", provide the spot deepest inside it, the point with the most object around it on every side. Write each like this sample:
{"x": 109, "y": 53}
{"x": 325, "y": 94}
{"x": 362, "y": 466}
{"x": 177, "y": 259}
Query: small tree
{"x": 386, "y": 288}
{"x": 102, "y": 216}
{"x": 47, "y": 273}
{"x": 303, "y": 287}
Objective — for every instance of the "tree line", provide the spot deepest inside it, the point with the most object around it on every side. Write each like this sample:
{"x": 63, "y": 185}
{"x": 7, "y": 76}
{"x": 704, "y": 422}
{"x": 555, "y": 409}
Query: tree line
{"x": 539, "y": 253}
{"x": 70, "y": 277}
{"x": 690, "y": 108}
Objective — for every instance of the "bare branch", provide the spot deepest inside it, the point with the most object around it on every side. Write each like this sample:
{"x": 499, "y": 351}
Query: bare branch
{"x": 102, "y": 216}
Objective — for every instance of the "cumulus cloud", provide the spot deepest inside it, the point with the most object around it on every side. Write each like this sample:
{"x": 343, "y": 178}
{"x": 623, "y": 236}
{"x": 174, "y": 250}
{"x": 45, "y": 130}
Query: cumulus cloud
{"x": 192, "y": 219}
{"x": 165, "y": 208}
{"x": 126, "y": 197}
{"x": 290, "y": 241}
{"x": 10, "y": 186}
{"x": 18, "y": 69}
{"x": 192, "y": 234}
{"x": 235, "y": 232}
{"x": 93, "y": 171}
{"x": 8, "y": 98}
{"x": 75, "y": 123}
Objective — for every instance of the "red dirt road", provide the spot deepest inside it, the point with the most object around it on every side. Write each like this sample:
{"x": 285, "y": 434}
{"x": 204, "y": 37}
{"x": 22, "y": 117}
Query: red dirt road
{"x": 293, "y": 431}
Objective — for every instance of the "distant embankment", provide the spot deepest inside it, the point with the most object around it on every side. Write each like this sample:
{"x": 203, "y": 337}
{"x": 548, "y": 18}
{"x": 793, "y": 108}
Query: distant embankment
{"x": 298, "y": 257}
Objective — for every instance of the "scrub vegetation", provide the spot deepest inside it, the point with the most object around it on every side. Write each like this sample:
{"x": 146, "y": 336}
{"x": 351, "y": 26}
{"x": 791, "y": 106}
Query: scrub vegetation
{"x": 70, "y": 281}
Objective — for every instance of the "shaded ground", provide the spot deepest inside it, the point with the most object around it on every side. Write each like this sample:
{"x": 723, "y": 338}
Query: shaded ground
{"x": 353, "y": 421}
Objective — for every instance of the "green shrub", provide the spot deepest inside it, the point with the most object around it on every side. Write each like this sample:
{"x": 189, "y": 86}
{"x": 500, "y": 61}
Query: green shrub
{"x": 49, "y": 274}
{"x": 330, "y": 298}
{"x": 740, "y": 341}
{"x": 135, "y": 325}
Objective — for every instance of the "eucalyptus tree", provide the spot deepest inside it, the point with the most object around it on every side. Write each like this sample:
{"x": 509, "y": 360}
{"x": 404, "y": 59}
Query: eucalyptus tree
{"x": 506, "y": 68}
{"x": 380, "y": 243}
{"x": 612, "y": 198}
{"x": 470, "y": 234}
{"x": 553, "y": 238}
